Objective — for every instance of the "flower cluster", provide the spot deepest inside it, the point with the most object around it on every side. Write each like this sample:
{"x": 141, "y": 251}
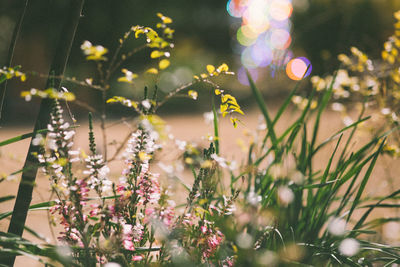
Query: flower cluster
{"x": 98, "y": 172}
{"x": 92, "y": 52}
{"x": 373, "y": 84}
{"x": 9, "y": 73}
{"x": 48, "y": 93}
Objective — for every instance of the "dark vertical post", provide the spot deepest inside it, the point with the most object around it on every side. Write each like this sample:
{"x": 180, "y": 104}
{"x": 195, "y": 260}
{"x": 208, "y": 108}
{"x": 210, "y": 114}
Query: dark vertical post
{"x": 57, "y": 68}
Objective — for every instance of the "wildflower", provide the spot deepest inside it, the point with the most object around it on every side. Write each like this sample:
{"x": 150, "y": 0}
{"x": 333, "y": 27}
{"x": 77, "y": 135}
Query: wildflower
{"x": 163, "y": 64}
{"x": 213, "y": 239}
{"x": 244, "y": 240}
{"x": 127, "y": 237}
{"x": 164, "y": 19}
{"x": 48, "y": 93}
{"x": 337, "y": 226}
{"x": 129, "y": 76}
{"x": 98, "y": 172}
{"x": 228, "y": 207}
{"x": 92, "y": 52}
{"x": 285, "y": 195}
{"x": 253, "y": 198}
{"x": 349, "y": 247}
{"x": 208, "y": 117}
{"x": 124, "y": 101}
{"x": 148, "y": 189}
{"x": 347, "y": 120}
{"x": 167, "y": 213}
{"x": 137, "y": 258}
{"x": 38, "y": 140}
{"x": 193, "y": 94}
{"x": 228, "y": 262}
{"x": 9, "y": 73}
{"x": 385, "y": 111}
{"x": 146, "y": 104}
{"x": 337, "y": 107}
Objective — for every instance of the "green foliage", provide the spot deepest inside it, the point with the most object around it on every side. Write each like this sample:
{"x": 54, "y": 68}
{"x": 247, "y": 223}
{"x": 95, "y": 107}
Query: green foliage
{"x": 279, "y": 209}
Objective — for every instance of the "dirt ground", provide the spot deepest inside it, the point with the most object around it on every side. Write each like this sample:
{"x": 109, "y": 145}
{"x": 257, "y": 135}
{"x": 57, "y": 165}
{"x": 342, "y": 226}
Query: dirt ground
{"x": 183, "y": 127}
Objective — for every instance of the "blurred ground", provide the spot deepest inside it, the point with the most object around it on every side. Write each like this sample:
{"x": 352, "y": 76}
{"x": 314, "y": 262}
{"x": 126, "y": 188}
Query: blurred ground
{"x": 183, "y": 127}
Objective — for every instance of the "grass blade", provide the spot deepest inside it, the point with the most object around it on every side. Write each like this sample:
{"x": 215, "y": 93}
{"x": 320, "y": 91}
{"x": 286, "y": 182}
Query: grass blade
{"x": 263, "y": 108}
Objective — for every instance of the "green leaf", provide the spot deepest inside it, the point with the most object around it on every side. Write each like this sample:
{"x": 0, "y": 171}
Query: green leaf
{"x": 6, "y": 198}
{"x": 263, "y": 108}
{"x": 21, "y": 137}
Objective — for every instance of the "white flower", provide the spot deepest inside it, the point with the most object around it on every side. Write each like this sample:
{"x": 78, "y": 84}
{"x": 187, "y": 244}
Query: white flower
{"x": 37, "y": 140}
{"x": 253, "y": 198}
{"x": 208, "y": 117}
{"x": 86, "y": 47}
{"x": 347, "y": 121}
{"x": 385, "y": 111}
{"x": 285, "y": 195}
{"x": 146, "y": 104}
{"x": 349, "y": 247}
{"x": 220, "y": 160}
{"x": 244, "y": 240}
{"x": 337, "y": 106}
{"x": 181, "y": 144}
{"x": 337, "y": 226}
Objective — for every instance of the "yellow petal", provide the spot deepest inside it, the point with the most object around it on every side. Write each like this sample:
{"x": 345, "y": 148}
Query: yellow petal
{"x": 163, "y": 64}
{"x": 210, "y": 69}
{"x": 397, "y": 15}
{"x": 152, "y": 71}
{"x": 193, "y": 94}
{"x": 156, "y": 54}
{"x": 223, "y": 68}
{"x": 234, "y": 122}
{"x": 138, "y": 33}
{"x": 124, "y": 79}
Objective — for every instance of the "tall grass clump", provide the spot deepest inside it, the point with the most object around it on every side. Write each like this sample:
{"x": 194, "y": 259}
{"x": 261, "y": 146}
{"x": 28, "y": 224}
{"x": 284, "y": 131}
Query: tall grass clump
{"x": 274, "y": 209}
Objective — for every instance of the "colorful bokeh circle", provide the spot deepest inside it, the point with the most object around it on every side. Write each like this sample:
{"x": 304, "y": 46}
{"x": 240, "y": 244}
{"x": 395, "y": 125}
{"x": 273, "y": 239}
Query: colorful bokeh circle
{"x": 298, "y": 68}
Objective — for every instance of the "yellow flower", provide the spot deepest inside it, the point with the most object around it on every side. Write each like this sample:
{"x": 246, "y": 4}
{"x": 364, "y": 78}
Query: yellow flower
{"x": 165, "y": 19}
{"x": 124, "y": 101}
{"x": 129, "y": 76}
{"x": 156, "y": 54}
{"x": 152, "y": 71}
{"x": 193, "y": 94}
{"x": 164, "y": 63}
{"x": 92, "y": 52}
{"x": 210, "y": 69}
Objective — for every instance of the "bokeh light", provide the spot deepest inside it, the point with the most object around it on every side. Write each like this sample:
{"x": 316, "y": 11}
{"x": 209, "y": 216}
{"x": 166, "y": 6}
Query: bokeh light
{"x": 280, "y": 10}
{"x": 280, "y": 39}
{"x": 298, "y": 68}
{"x": 235, "y": 8}
{"x": 242, "y": 77}
{"x": 265, "y": 36}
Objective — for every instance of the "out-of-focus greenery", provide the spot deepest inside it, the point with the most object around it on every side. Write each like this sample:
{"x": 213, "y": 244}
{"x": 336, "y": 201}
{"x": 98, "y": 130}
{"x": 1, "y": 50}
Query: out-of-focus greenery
{"x": 326, "y": 28}
{"x": 205, "y": 33}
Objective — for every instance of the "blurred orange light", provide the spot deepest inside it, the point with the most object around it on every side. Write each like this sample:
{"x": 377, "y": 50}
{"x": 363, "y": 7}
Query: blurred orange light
{"x": 296, "y": 69}
{"x": 280, "y": 10}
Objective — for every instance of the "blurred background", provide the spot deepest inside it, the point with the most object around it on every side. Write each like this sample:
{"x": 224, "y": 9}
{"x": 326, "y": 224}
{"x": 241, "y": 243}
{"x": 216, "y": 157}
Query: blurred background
{"x": 261, "y": 35}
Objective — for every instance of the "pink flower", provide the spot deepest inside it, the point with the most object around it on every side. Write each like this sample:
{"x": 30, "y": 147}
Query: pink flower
{"x": 137, "y": 258}
{"x": 128, "y": 245}
{"x": 149, "y": 189}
